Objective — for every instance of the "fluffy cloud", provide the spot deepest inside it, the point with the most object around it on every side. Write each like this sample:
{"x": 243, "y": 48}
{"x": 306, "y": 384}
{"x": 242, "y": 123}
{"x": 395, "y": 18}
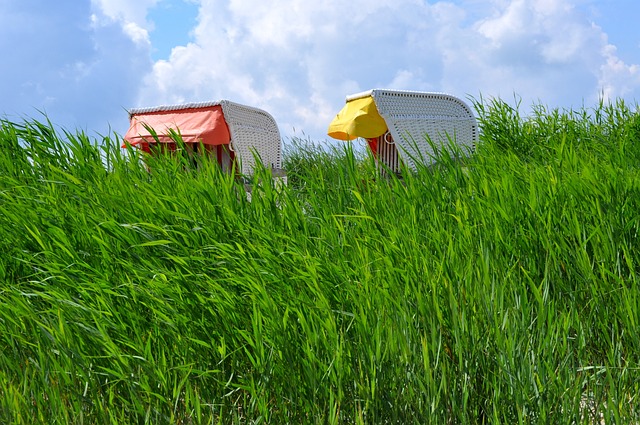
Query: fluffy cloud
{"x": 85, "y": 63}
{"x": 299, "y": 59}
{"x": 64, "y": 65}
{"x": 130, "y": 15}
{"x": 542, "y": 50}
{"x": 617, "y": 79}
{"x": 551, "y": 51}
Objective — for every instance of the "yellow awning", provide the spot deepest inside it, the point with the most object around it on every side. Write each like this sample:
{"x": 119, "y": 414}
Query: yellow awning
{"x": 358, "y": 118}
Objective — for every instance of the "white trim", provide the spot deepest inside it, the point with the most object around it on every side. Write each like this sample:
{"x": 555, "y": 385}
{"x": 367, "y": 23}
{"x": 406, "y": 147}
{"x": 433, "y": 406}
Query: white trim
{"x": 175, "y": 107}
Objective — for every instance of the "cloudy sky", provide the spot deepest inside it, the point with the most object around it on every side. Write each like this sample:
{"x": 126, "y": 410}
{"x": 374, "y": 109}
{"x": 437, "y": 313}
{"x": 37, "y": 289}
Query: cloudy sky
{"x": 85, "y": 62}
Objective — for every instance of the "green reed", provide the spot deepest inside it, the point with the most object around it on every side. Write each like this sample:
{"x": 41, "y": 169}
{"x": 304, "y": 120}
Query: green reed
{"x": 498, "y": 290}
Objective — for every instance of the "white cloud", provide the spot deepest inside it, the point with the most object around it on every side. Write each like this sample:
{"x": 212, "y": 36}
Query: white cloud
{"x": 130, "y": 15}
{"x": 617, "y": 79}
{"x": 137, "y": 34}
{"x": 125, "y": 10}
{"x": 62, "y": 63}
{"x": 298, "y": 59}
{"x": 551, "y": 32}
{"x": 541, "y": 50}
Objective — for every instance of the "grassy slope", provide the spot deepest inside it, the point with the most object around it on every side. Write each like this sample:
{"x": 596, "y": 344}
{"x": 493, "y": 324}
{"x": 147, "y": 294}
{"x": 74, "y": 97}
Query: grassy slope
{"x": 503, "y": 291}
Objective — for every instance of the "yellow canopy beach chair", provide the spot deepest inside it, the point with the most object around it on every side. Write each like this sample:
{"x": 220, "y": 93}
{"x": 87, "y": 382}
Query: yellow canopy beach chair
{"x": 402, "y": 126}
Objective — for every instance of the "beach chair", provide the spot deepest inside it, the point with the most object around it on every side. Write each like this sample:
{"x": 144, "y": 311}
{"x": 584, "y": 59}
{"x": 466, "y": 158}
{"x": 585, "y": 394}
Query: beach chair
{"x": 230, "y": 133}
{"x": 403, "y": 127}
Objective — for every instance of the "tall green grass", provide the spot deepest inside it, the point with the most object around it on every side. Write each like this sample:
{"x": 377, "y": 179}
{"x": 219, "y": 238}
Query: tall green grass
{"x": 502, "y": 290}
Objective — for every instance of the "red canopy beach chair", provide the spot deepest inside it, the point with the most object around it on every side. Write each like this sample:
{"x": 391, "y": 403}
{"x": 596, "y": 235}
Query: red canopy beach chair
{"x": 230, "y": 133}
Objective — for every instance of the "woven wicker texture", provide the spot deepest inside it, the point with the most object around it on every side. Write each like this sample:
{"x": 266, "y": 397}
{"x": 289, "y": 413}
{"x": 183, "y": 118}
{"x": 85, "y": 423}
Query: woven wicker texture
{"x": 253, "y": 132}
{"x": 418, "y": 120}
{"x": 167, "y": 108}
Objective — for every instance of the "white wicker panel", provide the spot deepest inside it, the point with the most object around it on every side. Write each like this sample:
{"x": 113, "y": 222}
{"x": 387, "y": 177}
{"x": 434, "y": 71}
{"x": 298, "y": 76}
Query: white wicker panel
{"x": 387, "y": 153}
{"x": 415, "y": 117}
{"x": 253, "y": 131}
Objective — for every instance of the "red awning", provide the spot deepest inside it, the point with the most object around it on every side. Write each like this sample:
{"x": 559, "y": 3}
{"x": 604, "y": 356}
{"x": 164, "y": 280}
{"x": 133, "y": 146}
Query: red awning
{"x": 196, "y": 125}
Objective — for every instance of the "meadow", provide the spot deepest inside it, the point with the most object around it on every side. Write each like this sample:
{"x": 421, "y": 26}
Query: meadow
{"x": 500, "y": 288}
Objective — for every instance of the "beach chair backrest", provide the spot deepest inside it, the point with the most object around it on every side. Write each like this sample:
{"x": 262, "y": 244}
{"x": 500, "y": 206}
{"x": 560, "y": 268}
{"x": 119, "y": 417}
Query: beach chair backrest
{"x": 418, "y": 121}
{"x": 253, "y": 132}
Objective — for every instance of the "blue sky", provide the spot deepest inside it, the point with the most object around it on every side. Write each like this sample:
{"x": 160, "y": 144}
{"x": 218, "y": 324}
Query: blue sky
{"x": 85, "y": 62}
